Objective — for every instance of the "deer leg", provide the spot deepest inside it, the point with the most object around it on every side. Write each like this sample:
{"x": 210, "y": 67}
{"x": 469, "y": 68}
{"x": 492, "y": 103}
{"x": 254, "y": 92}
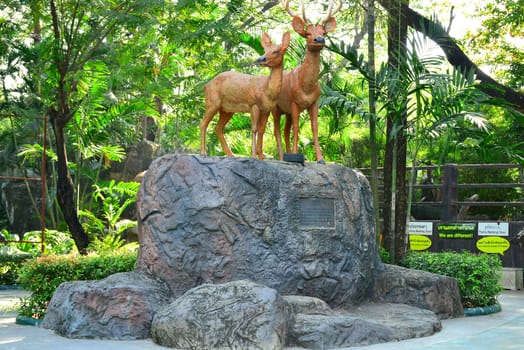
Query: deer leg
{"x": 260, "y": 135}
{"x": 278, "y": 137}
{"x": 287, "y": 133}
{"x": 223, "y": 119}
{"x": 295, "y": 114}
{"x": 313, "y": 112}
{"x": 204, "y": 123}
{"x": 255, "y": 118}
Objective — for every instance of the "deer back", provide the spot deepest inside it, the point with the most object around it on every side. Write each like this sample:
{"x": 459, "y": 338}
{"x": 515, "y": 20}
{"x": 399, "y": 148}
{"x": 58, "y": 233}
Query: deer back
{"x": 239, "y": 92}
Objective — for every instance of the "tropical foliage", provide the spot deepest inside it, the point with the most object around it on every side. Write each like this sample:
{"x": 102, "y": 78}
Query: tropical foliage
{"x": 97, "y": 76}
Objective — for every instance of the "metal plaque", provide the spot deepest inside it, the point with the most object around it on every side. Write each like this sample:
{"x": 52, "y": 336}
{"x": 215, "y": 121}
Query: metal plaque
{"x": 317, "y": 212}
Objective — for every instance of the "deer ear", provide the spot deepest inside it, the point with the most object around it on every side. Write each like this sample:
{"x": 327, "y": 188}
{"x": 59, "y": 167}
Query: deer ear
{"x": 286, "y": 38}
{"x": 298, "y": 25}
{"x": 265, "y": 40}
{"x": 330, "y": 25}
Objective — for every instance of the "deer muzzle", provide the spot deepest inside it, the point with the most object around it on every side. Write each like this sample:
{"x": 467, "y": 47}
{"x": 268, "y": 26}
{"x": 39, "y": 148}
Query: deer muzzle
{"x": 316, "y": 44}
{"x": 261, "y": 61}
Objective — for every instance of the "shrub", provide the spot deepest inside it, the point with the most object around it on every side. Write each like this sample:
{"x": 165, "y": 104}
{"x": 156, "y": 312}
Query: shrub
{"x": 478, "y": 276}
{"x": 55, "y": 242}
{"x": 106, "y": 216}
{"x": 384, "y": 255}
{"x": 43, "y": 275}
{"x": 10, "y": 262}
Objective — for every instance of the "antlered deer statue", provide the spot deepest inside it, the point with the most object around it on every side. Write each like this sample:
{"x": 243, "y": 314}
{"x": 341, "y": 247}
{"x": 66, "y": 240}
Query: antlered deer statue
{"x": 233, "y": 92}
{"x": 300, "y": 87}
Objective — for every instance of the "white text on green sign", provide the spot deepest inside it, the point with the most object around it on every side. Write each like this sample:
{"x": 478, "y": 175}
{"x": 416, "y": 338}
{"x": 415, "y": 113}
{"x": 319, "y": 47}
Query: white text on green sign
{"x": 456, "y": 230}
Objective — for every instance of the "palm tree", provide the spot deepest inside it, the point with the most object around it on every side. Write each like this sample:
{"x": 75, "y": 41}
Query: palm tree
{"x": 425, "y": 102}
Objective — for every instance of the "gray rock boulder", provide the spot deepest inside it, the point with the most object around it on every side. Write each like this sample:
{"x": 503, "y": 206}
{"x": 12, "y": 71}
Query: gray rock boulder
{"x": 316, "y": 326}
{"x": 425, "y": 290}
{"x": 302, "y": 230}
{"x": 244, "y": 315}
{"x": 303, "y": 234}
{"x": 300, "y": 304}
{"x": 336, "y": 331}
{"x": 404, "y": 321}
{"x": 235, "y": 315}
{"x": 120, "y": 306}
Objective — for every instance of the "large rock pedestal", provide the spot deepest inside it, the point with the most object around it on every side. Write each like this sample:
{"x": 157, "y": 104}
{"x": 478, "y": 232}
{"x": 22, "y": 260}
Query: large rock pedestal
{"x": 304, "y": 230}
{"x": 289, "y": 229}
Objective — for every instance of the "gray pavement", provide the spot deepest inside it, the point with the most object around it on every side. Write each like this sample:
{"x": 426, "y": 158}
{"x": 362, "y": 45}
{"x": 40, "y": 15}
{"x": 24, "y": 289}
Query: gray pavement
{"x": 502, "y": 330}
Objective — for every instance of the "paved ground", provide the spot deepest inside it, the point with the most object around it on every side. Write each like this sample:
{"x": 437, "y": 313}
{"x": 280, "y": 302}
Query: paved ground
{"x": 499, "y": 331}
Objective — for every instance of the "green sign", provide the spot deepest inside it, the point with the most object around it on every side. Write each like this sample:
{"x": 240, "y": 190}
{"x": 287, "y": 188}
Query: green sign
{"x": 456, "y": 230}
{"x": 419, "y": 242}
{"x": 493, "y": 244}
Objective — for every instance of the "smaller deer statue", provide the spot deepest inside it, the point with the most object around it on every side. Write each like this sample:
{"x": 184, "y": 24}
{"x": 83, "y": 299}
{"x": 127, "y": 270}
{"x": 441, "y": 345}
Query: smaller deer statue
{"x": 300, "y": 87}
{"x": 233, "y": 92}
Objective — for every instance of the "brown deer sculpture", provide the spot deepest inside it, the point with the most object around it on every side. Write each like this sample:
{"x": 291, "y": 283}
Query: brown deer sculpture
{"x": 300, "y": 88}
{"x": 233, "y": 92}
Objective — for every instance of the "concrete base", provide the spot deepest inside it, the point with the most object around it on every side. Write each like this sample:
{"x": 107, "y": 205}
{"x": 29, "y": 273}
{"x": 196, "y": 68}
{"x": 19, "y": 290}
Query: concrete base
{"x": 512, "y": 278}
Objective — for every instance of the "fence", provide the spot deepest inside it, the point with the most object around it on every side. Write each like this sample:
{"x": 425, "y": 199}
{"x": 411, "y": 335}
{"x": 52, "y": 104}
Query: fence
{"x": 440, "y": 201}
{"x": 41, "y": 179}
{"x": 447, "y": 198}
{"x": 440, "y": 220}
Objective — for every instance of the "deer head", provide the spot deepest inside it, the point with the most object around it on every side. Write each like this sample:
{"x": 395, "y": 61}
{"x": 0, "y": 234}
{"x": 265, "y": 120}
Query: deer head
{"x": 273, "y": 53}
{"x": 314, "y": 33}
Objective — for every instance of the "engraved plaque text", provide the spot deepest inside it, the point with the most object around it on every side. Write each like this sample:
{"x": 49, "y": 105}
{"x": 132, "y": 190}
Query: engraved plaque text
{"x": 317, "y": 212}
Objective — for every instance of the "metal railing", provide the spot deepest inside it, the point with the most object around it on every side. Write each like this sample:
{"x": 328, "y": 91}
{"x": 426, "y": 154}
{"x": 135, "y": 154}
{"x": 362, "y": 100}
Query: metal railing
{"x": 445, "y": 203}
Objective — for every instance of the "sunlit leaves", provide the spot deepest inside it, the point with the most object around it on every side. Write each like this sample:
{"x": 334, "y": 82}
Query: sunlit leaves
{"x": 498, "y": 43}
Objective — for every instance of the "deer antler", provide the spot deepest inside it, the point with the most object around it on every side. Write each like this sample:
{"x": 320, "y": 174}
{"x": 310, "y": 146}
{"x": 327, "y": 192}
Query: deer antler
{"x": 331, "y": 12}
{"x": 285, "y": 4}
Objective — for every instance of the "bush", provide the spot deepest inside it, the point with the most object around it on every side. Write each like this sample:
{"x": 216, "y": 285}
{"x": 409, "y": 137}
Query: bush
{"x": 384, "y": 255}
{"x": 478, "y": 276}
{"x": 10, "y": 262}
{"x": 43, "y": 275}
{"x": 55, "y": 242}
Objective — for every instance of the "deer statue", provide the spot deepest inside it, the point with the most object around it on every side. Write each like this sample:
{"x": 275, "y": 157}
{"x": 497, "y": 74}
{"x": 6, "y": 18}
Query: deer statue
{"x": 233, "y": 92}
{"x": 300, "y": 87}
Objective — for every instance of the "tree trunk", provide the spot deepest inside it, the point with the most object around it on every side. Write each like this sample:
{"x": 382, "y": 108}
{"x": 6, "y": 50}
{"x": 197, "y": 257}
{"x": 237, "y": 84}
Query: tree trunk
{"x": 401, "y": 197}
{"x": 389, "y": 191}
{"x": 395, "y": 189}
{"x": 372, "y": 114}
{"x": 65, "y": 189}
{"x": 60, "y": 116}
{"x": 457, "y": 57}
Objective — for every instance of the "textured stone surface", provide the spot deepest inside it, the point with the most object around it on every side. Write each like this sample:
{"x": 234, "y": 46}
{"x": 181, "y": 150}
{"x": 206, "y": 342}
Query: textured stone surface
{"x": 404, "y": 321}
{"x": 234, "y": 315}
{"x": 336, "y": 331}
{"x": 304, "y": 230}
{"x": 300, "y": 304}
{"x": 316, "y": 326}
{"x": 440, "y": 294}
{"x": 118, "y": 307}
